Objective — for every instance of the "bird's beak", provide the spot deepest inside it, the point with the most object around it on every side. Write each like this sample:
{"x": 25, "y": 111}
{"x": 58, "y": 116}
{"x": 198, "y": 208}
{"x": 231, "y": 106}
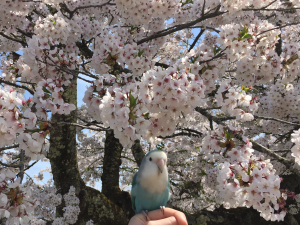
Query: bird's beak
{"x": 160, "y": 164}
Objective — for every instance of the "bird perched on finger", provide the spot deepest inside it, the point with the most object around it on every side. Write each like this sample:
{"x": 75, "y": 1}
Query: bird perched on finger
{"x": 150, "y": 185}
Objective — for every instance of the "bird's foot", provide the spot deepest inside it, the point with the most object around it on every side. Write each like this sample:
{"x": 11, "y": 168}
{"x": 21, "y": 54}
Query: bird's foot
{"x": 162, "y": 209}
{"x": 145, "y": 213}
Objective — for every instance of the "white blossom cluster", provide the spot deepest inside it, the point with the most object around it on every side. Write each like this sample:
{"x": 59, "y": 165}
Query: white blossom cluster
{"x": 13, "y": 12}
{"x": 110, "y": 48}
{"x": 48, "y": 95}
{"x": 48, "y": 199}
{"x": 123, "y": 116}
{"x": 169, "y": 94}
{"x": 237, "y": 103}
{"x": 257, "y": 59}
{"x": 53, "y": 26}
{"x": 18, "y": 127}
{"x": 141, "y": 12}
{"x": 243, "y": 178}
{"x": 282, "y": 99}
{"x": 16, "y": 203}
{"x": 71, "y": 210}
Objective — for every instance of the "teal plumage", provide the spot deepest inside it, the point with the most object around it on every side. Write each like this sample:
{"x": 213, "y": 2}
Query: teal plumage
{"x": 150, "y": 185}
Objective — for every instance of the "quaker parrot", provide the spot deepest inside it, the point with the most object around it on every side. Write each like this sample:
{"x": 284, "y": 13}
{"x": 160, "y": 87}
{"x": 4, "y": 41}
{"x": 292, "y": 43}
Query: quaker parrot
{"x": 150, "y": 185}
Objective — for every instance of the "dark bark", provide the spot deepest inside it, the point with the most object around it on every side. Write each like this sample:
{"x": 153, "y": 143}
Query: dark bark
{"x": 238, "y": 216}
{"x": 278, "y": 45}
{"x": 110, "y": 177}
{"x": 111, "y": 163}
{"x": 137, "y": 152}
{"x": 63, "y": 154}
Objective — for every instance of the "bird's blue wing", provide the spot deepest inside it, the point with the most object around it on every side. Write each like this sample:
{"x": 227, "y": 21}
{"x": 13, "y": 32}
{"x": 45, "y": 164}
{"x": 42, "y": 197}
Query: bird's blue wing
{"x": 166, "y": 194}
{"x": 133, "y": 191}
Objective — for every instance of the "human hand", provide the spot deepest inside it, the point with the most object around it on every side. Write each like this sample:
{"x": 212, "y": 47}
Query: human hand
{"x": 170, "y": 217}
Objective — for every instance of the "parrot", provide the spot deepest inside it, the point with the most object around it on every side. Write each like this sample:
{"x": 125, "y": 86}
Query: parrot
{"x": 150, "y": 185}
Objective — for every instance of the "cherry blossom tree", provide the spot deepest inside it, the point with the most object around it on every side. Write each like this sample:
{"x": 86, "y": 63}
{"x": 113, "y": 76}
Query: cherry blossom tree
{"x": 214, "y": 84}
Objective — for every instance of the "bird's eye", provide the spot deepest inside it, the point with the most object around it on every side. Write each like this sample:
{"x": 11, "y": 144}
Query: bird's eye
{"x": 150, "y": 159}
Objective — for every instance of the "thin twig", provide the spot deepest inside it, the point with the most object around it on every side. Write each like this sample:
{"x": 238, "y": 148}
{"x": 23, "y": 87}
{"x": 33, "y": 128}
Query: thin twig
{"x": 8, "y": 147}
{"x": 196, "y": 39}
{"x": 9, "y": 165}
{"x": 262, "y": 8}
{"x": 279, "y": 27}
{"x": 21, "y": 173}
{"x": 220, "y": 54}
{"x": 278, "y": 120}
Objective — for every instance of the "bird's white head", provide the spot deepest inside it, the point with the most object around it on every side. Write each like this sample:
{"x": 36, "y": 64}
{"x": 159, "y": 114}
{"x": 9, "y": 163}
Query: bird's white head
{"x": 155, "y": 161}
{"x": 153, "y": 171}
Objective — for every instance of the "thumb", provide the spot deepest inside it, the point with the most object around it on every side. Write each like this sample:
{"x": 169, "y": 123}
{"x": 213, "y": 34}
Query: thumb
{"x": 167, "y": 221}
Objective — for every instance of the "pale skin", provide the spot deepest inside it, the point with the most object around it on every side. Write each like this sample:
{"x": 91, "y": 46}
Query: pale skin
{"x": 169, "y": 217}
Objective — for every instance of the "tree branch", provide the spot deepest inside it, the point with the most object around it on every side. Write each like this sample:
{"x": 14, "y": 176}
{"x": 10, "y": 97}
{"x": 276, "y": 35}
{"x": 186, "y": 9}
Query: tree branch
{"x": 71, "y": 12}
{"x": 191, "y": 130}
{"x": 18, "y": 86}
{"x": 78, "y": 125}
{"x": 181, "y": 26}
{"x": 137, "y": 152}
{"x": 179, "y": 134}
{"x": 23, "y": 43}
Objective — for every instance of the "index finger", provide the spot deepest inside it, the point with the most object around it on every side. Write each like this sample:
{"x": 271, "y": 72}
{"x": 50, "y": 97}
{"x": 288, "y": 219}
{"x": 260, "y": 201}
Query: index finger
{"x": 157, "y": 215}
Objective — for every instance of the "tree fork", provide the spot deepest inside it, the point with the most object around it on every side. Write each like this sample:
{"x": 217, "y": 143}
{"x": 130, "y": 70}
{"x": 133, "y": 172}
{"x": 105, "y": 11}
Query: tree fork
{"x": 63, "y": 158}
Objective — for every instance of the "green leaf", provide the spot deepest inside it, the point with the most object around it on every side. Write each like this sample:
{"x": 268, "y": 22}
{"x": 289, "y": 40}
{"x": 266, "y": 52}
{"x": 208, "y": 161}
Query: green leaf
{"x": 141, "y": 52}
{"x": 160, "y": 146}
{"x": 246, "y": 36}
{"x": 193, "y": 59}
{"x": 54, "y": 22}
{"x": 202, "y": 173}
{"x": 132, "y": 100}
{"x": 244, "y": 31}
{"x": 216, "y": 50}
{"x": 228, "y": 135}
{"x": 33, "y": 130}
{"x": 46, "y": 90}
{"x": 146, "y": 115}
